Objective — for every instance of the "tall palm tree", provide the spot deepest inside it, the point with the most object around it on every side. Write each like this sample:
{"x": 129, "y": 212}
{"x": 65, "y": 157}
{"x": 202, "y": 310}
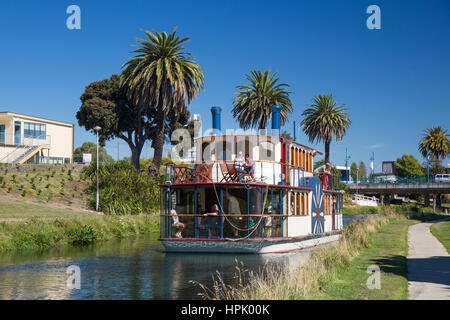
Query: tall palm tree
{"x": 325, "y": 121}
{"x": 435, "y": 142}
{"x": 255, "y": 98}
{"x": 161, "y": 78}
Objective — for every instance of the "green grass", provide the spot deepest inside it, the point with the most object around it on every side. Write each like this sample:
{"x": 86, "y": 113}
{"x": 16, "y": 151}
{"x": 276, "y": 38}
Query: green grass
{"x": 56, "y": 184}
{"x": 388, "y": 250}
{"x": 36, "y": 233}
{"x": 25, "y": 226}
{"x": 441, "y": 230}
{"x": 337, "y": 272}
{"x": 23, "y": 210}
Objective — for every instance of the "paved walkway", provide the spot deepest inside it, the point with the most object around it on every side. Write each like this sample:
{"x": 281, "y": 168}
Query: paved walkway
{"x": 428, "y": 265}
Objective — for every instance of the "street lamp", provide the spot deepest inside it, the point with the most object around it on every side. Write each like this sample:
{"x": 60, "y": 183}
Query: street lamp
{"x": 372, "y": 159}
{"x": 428, "y": 166}
{"x": 347, "y": 170}
{"x": 97, "y": 129}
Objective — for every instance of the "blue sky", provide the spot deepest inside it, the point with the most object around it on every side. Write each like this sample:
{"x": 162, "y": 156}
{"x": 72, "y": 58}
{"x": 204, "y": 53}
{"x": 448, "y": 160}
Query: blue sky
{"x": 394, "y": 81}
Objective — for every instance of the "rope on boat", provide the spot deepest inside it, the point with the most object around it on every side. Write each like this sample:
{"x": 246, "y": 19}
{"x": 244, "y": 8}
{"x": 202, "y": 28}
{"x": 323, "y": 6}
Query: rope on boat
{"x": 255, "y": 227}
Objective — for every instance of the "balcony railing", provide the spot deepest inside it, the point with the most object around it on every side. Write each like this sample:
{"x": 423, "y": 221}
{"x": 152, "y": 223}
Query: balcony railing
{"x": 267, "y": 172}
{"x": 388, "y": 180}
{"x": 23, "y": 141}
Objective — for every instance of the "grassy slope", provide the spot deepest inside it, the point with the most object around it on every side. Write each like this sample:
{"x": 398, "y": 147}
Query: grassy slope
{"x": 388, "y": 250}
{"x": 441, "y": 231}
{"x": 22, "y": 210}
{"x": 55, "y": 184}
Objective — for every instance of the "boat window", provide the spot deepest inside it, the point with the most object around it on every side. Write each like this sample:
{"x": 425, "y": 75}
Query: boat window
{"x": 224, "y": 150}
{"x": 185, "y": 201}
{"x": 266, "y": 151}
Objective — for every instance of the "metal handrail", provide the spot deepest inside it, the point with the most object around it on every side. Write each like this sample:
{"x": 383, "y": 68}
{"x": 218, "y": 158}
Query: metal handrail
{"x": 278, "y": 174}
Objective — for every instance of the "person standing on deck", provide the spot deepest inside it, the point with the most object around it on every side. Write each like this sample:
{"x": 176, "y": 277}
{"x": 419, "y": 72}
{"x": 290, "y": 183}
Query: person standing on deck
{"x": 326, "y": 173}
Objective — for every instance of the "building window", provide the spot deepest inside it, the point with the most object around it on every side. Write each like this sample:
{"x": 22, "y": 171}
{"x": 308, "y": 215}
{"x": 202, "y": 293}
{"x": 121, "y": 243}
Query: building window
{"x": 2, "y": 133}
{"x": 34, "y": 130}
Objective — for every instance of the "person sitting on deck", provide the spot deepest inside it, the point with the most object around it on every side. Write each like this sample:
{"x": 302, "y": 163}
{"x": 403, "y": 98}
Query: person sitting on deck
{"x": 249, "y": 166}
{"x": 203, "y": 174}
{"x": 239, "y": 161}
{"x": 176, "y": 223}
{"x": 213, "y": 212}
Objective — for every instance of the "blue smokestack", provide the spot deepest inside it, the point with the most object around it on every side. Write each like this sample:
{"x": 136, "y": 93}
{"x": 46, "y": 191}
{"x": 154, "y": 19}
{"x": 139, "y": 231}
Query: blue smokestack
{"x": 216, "y": 121}
{"x": 276, "y": 119}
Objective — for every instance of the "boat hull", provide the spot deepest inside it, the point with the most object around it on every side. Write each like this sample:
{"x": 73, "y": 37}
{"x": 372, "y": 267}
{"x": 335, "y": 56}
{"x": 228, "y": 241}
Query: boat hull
{"x": 274, "y": 245}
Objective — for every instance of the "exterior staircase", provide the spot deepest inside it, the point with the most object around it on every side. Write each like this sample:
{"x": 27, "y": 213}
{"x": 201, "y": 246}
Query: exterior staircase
{"x": 20, "y": 154}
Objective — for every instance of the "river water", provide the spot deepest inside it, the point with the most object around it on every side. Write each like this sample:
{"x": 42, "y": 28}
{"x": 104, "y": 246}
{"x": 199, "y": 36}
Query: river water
{"x": 125, "y": 269}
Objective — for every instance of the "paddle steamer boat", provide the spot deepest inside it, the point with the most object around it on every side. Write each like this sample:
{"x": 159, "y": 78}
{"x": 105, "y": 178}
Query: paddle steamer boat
{"x": 216, "y": 204}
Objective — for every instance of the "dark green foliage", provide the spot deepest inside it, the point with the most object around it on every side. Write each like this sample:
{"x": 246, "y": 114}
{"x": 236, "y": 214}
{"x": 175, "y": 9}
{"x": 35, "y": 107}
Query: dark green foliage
{"x": 435, "y": 143}
{"x": 354, "y": 170}
{"x": 254, "y": 99}
{"x": 362, "y": 170}
{"x": 123, "y": 189}
{"x": 81, "y": 235}
{"x": 324, "y": 121}
{"x": 408, "y": 166}
{"x": 90, "y": 147}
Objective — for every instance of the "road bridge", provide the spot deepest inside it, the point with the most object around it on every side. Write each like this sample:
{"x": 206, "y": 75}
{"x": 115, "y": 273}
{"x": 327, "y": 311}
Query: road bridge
{"x": 386, "y": 190}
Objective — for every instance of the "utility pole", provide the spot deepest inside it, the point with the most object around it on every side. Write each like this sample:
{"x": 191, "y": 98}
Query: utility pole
{"x": 97, "y": 129}
{"x": 372, "y": 159}
{"x": 295, "y": 132}
{"x": 347, "y": 170}
{"x": 428, "y": 167}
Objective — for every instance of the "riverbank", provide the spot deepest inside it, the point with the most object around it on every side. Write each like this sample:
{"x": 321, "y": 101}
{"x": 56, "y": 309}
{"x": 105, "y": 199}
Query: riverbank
{"x": 338, "y": 271}
{"x": 25, "y": 226}
{"x": 403, "y": 208}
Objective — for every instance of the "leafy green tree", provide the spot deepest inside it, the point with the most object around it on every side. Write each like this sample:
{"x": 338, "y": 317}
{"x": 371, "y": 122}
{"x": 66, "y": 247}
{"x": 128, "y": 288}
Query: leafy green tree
{"x": 362, "y": 170}
{"x": 90, "y": 147}
{"x": 408, "y": 166}
{"x": 287, "y": 135}
{"x": 253, "y": 102}
{"x": 162, "y": 78}
{"x": 105, "y": 104}
{"x": 354, "y": 170}
{"x": 324, "y": 120}
{"x": 435, "y": 142}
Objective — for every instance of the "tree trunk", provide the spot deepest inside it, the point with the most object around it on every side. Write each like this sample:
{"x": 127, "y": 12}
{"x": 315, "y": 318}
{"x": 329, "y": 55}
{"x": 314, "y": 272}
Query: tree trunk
{"x": 135, "y": 156}
{"x": 158, "y": 144}
{"x": 327, "y": 152}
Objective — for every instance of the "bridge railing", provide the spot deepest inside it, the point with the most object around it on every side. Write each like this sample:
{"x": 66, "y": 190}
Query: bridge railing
{"x": 387, "y": 180}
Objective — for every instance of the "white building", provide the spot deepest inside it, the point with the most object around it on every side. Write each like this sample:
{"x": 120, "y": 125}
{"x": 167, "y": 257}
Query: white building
{"x": 27, "y": 139}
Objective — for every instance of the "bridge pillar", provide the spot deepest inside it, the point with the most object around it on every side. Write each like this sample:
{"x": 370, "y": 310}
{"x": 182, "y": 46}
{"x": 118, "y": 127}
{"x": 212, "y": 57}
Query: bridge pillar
{"x": 427, "y": 199}
{"x": 434, "y": 201}
{"x": 438, "y": 201}
{"x": 382, "y": 199}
